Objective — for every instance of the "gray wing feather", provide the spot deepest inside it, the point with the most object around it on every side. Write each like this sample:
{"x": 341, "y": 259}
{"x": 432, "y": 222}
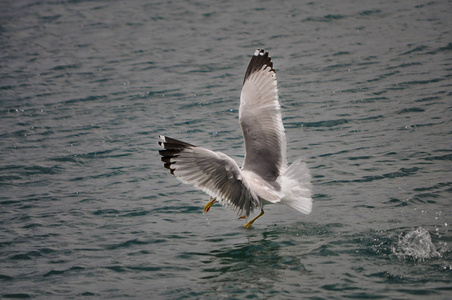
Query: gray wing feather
{"x": 260, "y": 119}
{"x": 213, "y": 172}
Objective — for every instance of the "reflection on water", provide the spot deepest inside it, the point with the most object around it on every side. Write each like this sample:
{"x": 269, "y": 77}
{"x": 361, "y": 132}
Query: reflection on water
{"x": 292, "y": 255}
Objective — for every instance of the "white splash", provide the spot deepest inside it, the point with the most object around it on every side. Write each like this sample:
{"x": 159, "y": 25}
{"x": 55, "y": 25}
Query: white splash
{"x": 417, "y": 245}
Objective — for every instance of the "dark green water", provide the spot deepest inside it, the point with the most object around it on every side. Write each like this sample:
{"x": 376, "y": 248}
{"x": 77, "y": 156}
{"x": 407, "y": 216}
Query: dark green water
{"x": 88, "y": 211}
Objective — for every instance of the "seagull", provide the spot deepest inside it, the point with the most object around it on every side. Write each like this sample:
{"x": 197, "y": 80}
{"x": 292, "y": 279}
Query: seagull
{"x": 264, "y": 176}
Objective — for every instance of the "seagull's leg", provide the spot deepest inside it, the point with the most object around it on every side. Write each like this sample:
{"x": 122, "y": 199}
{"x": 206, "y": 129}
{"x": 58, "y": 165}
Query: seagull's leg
{"x": 209, "y": 204}
{"x": 248, "y": 225}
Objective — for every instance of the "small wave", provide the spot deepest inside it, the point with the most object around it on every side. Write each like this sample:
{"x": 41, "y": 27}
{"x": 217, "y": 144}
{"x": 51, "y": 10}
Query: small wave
{"x": 410, "y": 110}
{"x": 370, "y": 12}
{"x": 326, "y": 123}
{"x": 58, "y": 272}
{"x": 416, "y": 245}
{"x": 417, "y": 49}
{"x": 17, "y": 296}
{"x": 326, "y": 18}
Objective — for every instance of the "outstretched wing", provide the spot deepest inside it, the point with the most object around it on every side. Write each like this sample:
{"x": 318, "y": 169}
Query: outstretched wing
{"x": 260, "y": 118}
{"x": 213, "y": 172}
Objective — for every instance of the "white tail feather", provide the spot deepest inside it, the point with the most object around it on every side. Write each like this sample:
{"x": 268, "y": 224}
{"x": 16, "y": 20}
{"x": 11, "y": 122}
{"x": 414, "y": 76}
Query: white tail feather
{"x": 296, "y": 186}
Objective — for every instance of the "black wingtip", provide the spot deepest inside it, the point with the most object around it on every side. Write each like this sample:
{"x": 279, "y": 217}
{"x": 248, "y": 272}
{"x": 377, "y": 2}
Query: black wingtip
{"x": 260, "y": 59}
{"x": 171, "y": 149}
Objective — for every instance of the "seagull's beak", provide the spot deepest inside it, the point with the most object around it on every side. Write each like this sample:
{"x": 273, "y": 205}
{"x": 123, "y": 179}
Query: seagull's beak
{"x": 209, "y": 204}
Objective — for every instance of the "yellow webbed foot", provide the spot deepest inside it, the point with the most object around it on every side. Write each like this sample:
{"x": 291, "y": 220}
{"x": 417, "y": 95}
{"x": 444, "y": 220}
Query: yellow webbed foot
{"x": 209, "y": 204}
{"x": 250, "y": 223}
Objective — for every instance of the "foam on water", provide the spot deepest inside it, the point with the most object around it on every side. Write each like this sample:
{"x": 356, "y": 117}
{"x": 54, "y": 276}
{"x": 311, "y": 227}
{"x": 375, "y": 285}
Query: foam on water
{"x": 417, "y": 245}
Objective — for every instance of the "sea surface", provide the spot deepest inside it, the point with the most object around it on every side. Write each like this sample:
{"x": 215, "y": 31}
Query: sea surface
{"x": 87, "y": 210}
